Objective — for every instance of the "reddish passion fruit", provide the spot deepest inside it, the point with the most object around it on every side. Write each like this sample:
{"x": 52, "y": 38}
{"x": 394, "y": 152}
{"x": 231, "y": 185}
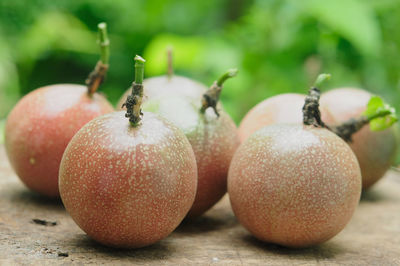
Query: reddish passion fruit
{"x": 128, "y": 184}
{"x": 40, "y": 126}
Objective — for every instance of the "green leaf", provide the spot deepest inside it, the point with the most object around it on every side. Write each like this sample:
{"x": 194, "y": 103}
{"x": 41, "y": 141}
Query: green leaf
{"x": 373, "y": 105}
{"x": 380, "y": 114}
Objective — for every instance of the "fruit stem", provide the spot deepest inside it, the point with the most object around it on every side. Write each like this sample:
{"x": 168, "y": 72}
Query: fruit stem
{"x": 170, "y": 70}
{"x": 311, "y": 113}
{"x": 104, "y": 43}
{"x": 134, "y": 101}
{"x": 321, "y": 79}
{"x": 380, "y": 113}
{"x": 345, "y": 130}
{"x": 139, "y": 69}
{"x": 211, "y": 97}
{"x": 349, "y": 127}
{"x": 96, "y": 77}
{"x": 229, "y": 74}
{"x": 353, "y": 125}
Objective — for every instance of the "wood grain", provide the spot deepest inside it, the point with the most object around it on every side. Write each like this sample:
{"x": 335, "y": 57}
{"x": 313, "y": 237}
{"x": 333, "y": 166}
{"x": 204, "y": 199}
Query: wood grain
{"x": 371, "y": 238}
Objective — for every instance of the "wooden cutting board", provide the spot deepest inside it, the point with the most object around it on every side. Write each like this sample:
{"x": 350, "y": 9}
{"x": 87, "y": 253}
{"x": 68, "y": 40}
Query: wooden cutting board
{"x": 371, "y": 238}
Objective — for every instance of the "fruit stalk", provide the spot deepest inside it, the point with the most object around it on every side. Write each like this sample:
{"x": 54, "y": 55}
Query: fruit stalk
{"x": 96, "y": 77}
{"x": 376, "y": 109}
{"x": 170, "y": 70}
{"x": 211, "y": 97}
{"x": 134, "y": 101}
{"x": 351, "y": 126}
{"x": 104, "y": 43}
{"x": 311, "y": 113}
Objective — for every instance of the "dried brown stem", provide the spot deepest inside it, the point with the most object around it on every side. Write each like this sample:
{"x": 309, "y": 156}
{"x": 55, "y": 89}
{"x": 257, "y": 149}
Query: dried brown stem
{"x": 311, "y": 113}
{"x": 96, "y": 77}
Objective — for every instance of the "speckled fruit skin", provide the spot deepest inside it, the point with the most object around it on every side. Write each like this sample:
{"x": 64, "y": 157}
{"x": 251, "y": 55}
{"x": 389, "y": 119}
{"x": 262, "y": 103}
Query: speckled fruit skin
{"x": 128, "y": 186}
{"x": 39, "y": 128}
{"x": 163, "y": 85}
{"x": 213, "y": 139}
{"x": 375, "y": 151}
{"x": 280, "y": 109}
{"x": 293, "y": 185}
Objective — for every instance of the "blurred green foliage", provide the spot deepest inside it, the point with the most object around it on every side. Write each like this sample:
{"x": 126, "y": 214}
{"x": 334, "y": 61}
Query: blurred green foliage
{"x": 278, "y": 46}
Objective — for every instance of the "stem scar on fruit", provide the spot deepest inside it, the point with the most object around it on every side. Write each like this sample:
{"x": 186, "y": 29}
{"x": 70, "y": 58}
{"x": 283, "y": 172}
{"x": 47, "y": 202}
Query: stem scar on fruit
{"x": 211, "y": 97}
{"x": 96, "y": 77}
{"x": 134, "y": 101}
{"x": 378, "y": 114}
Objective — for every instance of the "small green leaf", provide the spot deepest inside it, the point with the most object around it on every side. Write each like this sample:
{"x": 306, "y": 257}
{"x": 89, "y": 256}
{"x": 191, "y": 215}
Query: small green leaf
{"x": 380, "y": 114}
{"x": 373, "y": 105}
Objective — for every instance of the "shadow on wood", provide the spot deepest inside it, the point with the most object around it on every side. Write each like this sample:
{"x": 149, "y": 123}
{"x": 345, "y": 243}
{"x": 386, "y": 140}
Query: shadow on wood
{"x": 372, "y": 195}
{"x": 158, "y": 251}
{"x": 26, "y": 197}
{"x": 205, "y": 224}
{"x": 327, "y": 250}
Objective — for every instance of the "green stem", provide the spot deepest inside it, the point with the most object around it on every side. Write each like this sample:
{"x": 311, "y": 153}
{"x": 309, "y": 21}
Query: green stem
{"x": 104, "y": 43}
{"x": 380, "y": 113}
{"x": 229, "y": 74}
{"x": 211, "y": 97}
{"x": 96, "y": 77}
{"x": 139, "y": 69}
{"x": 321, "y": 79}
{"x": 134, "y": 101}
